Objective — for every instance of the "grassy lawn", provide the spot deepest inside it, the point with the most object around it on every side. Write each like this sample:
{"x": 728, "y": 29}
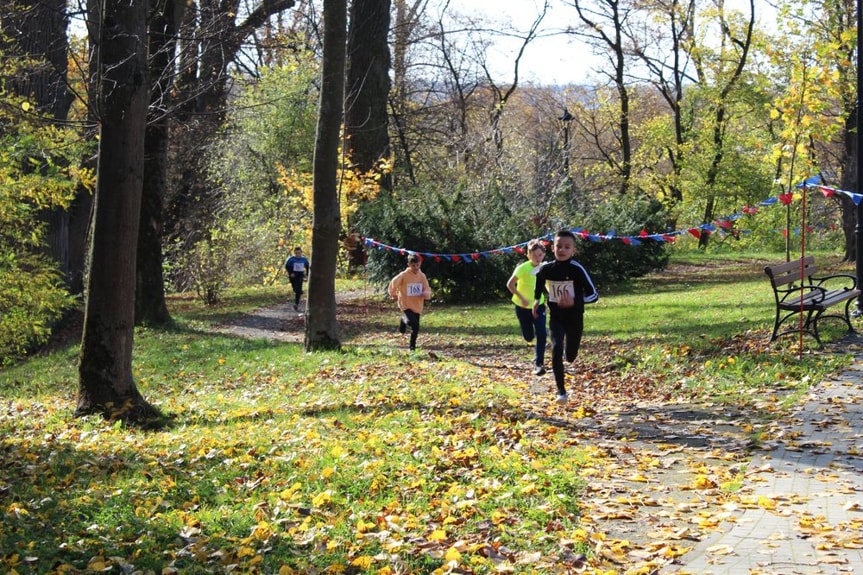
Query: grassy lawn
{"x": 374, "y": 460}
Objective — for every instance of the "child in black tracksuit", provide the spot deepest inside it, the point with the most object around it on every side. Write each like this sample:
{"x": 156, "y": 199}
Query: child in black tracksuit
{"x": 568, "y": 287}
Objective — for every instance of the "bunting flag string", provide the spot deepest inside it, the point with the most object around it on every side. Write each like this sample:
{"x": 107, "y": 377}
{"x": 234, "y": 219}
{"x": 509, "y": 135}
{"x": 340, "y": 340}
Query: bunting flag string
{"x": 724, "y": 225}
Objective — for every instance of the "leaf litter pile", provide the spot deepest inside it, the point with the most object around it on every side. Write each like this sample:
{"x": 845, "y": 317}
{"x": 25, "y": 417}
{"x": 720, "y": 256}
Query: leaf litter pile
{"x": 454, "y": 459}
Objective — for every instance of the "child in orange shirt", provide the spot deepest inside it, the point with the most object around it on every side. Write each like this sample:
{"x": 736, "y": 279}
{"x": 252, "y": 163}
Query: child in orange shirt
{"x": 411, "y": 289}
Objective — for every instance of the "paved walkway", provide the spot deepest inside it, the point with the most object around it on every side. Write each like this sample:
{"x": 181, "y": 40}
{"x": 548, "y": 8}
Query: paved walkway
{"x": 801, "y": 507}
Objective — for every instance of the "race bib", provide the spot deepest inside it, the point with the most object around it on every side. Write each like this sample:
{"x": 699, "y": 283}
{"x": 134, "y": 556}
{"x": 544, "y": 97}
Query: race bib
{"x": 299, "y": 267}
{"x": 414, "y": 290}
{"x": 557, "y": 289}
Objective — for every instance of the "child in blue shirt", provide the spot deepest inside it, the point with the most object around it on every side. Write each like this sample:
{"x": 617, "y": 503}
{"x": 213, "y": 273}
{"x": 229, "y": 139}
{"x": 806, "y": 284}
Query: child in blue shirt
{"x": 297, "y": 267}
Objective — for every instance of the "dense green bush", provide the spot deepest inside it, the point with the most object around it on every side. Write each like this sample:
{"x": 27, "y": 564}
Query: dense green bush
{"x": 203, "y": 266}
{"x": 615, "y": 260}
{"x": 32, "y": 299}
{"x": 432, "y": 221}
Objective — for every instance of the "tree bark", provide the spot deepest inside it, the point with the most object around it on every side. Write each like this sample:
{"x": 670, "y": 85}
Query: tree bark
{"x": 211, "y": 38}
{"x": 150, "y": 305}
{"x": 106, "y": 385}
{"x": 322, "y": 328}
{"x": 37, "y": 29}
{"x": 368, "y": 87}
{"x": 405, "y": 22}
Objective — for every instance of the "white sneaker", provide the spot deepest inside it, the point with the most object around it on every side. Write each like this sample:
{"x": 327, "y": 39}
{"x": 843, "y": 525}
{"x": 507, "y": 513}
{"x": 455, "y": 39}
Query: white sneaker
{"x": 561, "y": 398}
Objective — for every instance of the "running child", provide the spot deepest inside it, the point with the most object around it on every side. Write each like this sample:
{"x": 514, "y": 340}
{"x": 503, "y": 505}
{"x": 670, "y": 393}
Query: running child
{"x": 522, "y": 284}
{"x": 297, "y": 267}
{"x": 568, "y": 287}
{"x": 411, "y": 289}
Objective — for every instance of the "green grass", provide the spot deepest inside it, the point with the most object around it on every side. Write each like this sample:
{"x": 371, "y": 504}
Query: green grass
{"x": 278, "y": 461}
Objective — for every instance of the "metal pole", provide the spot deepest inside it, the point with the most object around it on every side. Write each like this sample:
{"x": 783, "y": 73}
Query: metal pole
{"x": 858, "y": 230}
{"x": 566, "y": 119}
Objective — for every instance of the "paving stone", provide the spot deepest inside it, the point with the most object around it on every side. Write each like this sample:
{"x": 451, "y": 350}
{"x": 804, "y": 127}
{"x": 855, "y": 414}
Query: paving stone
{"x": 816, "y": 481}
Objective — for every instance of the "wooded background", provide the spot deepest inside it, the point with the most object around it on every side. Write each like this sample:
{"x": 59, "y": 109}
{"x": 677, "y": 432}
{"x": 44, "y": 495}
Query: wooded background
{"x": 178, "y": 145}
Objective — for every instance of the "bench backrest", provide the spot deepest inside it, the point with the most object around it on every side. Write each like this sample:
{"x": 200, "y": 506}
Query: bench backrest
{"x": 791, "y": 272}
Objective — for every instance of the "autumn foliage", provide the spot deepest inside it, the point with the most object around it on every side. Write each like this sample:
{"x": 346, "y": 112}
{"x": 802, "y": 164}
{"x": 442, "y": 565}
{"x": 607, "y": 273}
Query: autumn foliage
{"x": 454, "y": 459}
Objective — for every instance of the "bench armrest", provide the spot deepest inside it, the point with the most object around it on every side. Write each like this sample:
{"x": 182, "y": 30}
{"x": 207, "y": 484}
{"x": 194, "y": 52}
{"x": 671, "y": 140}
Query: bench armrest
{"x": 836, "y": 278}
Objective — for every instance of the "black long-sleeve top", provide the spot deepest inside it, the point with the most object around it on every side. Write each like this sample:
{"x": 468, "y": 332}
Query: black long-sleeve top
{"x": 555, "y": 276}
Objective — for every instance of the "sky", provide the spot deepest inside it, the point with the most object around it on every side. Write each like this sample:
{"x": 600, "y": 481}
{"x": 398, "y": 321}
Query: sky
{"x": 552, "y": 59}
{"x": 555, "y": 59}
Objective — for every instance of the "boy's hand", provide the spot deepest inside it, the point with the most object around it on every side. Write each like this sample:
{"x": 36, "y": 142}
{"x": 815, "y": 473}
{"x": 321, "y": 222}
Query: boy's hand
{"x": 565, "y": 300}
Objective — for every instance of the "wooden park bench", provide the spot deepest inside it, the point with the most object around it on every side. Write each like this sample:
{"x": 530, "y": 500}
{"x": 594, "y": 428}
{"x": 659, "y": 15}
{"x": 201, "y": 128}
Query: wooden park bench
{"x": 802, "y": 298}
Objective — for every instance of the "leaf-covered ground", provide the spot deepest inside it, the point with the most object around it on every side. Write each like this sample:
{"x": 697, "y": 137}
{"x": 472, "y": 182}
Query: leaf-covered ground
{"x": 454, "y": 459}
{"x": 661, "y": 469}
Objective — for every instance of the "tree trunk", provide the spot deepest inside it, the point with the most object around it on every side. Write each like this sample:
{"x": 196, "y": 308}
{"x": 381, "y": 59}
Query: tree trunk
{"x": 211, "y": 38}
{"x": 405, "y": 22}
{"x": 322, "y": 328}
{"x": 105, "y": 384}
{"x": 79, "y": 225}
{"x": 849, "y": 182}
{"x": 605, "y": 24}
{"x": 150, "y": 306}
{"x": 368, "y": 85}
{"x": 37, "y": 29}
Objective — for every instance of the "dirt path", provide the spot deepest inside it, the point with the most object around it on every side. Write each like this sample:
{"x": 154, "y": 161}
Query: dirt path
{"x": 668, "y": 472}
{"x": 280, "y": 322}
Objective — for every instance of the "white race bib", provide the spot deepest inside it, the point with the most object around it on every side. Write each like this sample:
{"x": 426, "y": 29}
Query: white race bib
{"x": 557, "y": 289}
{"x": 299, "y": 267}
{"x": 414, "y": 290}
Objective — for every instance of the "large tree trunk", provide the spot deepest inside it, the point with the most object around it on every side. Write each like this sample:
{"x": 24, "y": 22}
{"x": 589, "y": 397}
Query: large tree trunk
{"x": 37, "y": 29}
{"x": 405, "y": 22}
{"x": 150, "y": 306}
{"x": 849, "y": 182}
{"x": 105, "y": 384}
{"x": 322, "y": 328}
{"x": 368, "y": 85}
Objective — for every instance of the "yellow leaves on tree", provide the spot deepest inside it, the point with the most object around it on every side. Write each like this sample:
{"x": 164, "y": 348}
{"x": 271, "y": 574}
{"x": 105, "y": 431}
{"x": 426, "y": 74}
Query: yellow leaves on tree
{"x": 354, "y": 189}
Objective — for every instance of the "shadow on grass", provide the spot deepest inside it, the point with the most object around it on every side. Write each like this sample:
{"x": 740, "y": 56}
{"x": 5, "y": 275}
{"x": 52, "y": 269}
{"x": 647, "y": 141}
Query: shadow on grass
{"x": 59, "y": 484}
{"x": 167, "y": 339}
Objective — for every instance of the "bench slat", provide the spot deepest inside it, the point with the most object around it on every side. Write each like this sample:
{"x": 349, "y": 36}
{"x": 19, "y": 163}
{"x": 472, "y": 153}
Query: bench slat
{"x": 794, "y": 289}
{"x": 809, "y": 300}
{"x": 790, "y": 272}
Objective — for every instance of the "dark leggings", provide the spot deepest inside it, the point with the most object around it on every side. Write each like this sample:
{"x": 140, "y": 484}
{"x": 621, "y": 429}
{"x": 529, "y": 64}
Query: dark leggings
{"x": 566, "y": 331}
{"x": 297, "y": 284}
{"x": 413, "y": 321}
{"x": 531, "y": 326}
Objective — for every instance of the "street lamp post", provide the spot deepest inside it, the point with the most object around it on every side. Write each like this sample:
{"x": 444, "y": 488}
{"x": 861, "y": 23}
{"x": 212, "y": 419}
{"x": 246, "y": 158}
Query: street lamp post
{"x": 566, "y": 119}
